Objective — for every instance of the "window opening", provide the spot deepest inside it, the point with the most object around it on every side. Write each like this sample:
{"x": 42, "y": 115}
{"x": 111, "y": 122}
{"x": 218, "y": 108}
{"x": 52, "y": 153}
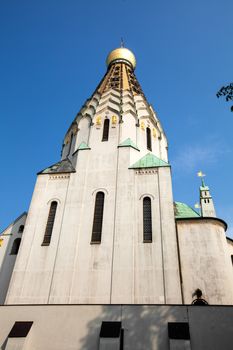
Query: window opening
{"x": 50, "y": 223}
{"x": 98, "y": 218}
{"x": 15, "y": 247}
{"x": 21, "y": 228}
{"x": 178, "y": 330}
{"x": 148, "y": 139}
{"x": 20, "y": 329}
{"x": 147, "y": 220}
{"x": 112, "y": 330}
{"x": 105, "y": 130}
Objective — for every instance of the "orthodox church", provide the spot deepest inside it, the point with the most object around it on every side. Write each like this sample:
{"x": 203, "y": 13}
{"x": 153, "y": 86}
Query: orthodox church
{"x": 105, "y": 258}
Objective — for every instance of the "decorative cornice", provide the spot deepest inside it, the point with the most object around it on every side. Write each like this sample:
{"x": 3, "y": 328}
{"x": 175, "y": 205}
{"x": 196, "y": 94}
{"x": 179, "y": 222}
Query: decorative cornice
{"x": 59, "y": 176}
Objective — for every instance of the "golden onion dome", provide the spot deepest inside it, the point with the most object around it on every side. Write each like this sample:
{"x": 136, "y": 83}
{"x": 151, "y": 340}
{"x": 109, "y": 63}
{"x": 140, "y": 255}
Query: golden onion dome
{"x": 121, "y": 54}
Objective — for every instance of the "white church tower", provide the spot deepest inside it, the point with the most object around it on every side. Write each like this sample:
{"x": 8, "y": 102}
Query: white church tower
{"x": 206, "y": 201}
{"x": 101, "y": 226}
{"x": 107, "y": 259}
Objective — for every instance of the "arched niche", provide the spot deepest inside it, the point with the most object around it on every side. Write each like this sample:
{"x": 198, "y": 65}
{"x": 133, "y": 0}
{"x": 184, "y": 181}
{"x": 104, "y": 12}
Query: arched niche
{"x": 83, "y": 131}
{"x": 69, "y": 141}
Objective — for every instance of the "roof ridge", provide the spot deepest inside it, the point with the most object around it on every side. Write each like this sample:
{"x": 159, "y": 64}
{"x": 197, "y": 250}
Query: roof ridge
{"x": 149, "y": 161}
{"x": 129, "y": 143}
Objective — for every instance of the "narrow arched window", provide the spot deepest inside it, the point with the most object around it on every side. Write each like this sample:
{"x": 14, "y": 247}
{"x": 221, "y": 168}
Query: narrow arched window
{"x": 105, "y": 130}
{"x": 50, "y": 223}
{"x": 147, "y": 221}
{"x": 98, "y": 218}
{"x": 148, "y": 139}
{"x": 15, "y": 247}
{"x": 21, "y": 228}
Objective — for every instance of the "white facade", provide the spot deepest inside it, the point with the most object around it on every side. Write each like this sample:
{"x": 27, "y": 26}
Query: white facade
{"x": 122, "y": 268}
{"x": 70, "y": 269}
{"x": 115, "y": 146}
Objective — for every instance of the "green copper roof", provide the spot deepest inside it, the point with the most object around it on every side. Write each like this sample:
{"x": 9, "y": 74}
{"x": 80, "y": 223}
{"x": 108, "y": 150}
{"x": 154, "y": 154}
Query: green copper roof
{"x": 82, "y": 146}
{"x": 182, "y": 210}
{"x": 149, "y": 161}
{"x": 64, "y": 166}
{"x": 128, "y": 143}
{"x": 206, "y": 188}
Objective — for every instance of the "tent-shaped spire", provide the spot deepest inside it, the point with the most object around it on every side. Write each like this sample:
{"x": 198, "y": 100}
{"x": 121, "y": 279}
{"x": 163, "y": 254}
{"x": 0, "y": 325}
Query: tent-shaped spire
{"x": 120, "y": 75}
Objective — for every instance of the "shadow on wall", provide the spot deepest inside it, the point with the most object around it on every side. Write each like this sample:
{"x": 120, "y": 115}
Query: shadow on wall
{"x": 144, "y": 326}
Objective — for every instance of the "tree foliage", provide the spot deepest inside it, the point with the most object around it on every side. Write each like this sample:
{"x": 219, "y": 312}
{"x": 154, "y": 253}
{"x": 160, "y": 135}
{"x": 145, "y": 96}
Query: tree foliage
{"x": 226, "y": 91}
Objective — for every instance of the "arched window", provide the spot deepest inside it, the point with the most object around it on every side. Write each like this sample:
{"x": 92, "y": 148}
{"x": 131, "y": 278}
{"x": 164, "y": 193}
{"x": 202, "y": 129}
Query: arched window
{"x": 147, "y": 221}
{"x": 15, "y": 247}
{"x": 148, "y": 139}
{"x": 98, "y": 218}
{"x": 105, "y": 130}
{"x": 50, "y": 223}
{"x": 21, "y": 228}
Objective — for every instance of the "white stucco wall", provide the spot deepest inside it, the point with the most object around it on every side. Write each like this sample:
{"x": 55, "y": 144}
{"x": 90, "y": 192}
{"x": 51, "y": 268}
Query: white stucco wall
{"x": 122, "y": 269}
{"x": 205, "y": 262}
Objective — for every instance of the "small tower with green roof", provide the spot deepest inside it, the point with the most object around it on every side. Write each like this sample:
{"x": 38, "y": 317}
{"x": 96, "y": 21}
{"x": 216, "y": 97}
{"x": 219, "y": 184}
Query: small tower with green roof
{"x": 206, "y": 201}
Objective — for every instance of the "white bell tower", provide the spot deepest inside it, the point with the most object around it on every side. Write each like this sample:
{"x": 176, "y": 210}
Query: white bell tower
{"x": 206, "y": 200}
{"x": 101, "y": 226}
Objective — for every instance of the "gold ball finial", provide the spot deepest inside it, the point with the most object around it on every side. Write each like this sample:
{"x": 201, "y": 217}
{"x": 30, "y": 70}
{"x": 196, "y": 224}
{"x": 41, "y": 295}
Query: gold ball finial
{"x": 121, "y": 54}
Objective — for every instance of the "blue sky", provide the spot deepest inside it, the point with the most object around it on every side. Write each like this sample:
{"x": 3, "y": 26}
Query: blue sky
{"x": 52, "y": 56}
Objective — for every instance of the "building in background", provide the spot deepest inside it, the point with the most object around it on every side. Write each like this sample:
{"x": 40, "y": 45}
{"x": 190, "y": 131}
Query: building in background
{"x": 108, "y": 260}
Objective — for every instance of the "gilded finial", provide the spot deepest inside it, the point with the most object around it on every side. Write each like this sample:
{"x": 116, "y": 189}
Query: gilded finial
{"x": 122, "y": 42}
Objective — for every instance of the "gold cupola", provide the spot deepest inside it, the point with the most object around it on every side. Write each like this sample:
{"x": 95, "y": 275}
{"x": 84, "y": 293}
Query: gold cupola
{"x": 120, "y": 75}
{"x": 121, "y": 55}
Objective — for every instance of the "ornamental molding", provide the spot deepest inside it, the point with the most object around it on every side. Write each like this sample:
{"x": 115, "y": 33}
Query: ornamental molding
{"x": 58, "y": 177}
{"x": 100, "y": 189}
{"x": 147, "y": 195}
{"x": 54, "y": 199}
{"x": 146, "y": 172}
{"x": 108, "y": 108}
